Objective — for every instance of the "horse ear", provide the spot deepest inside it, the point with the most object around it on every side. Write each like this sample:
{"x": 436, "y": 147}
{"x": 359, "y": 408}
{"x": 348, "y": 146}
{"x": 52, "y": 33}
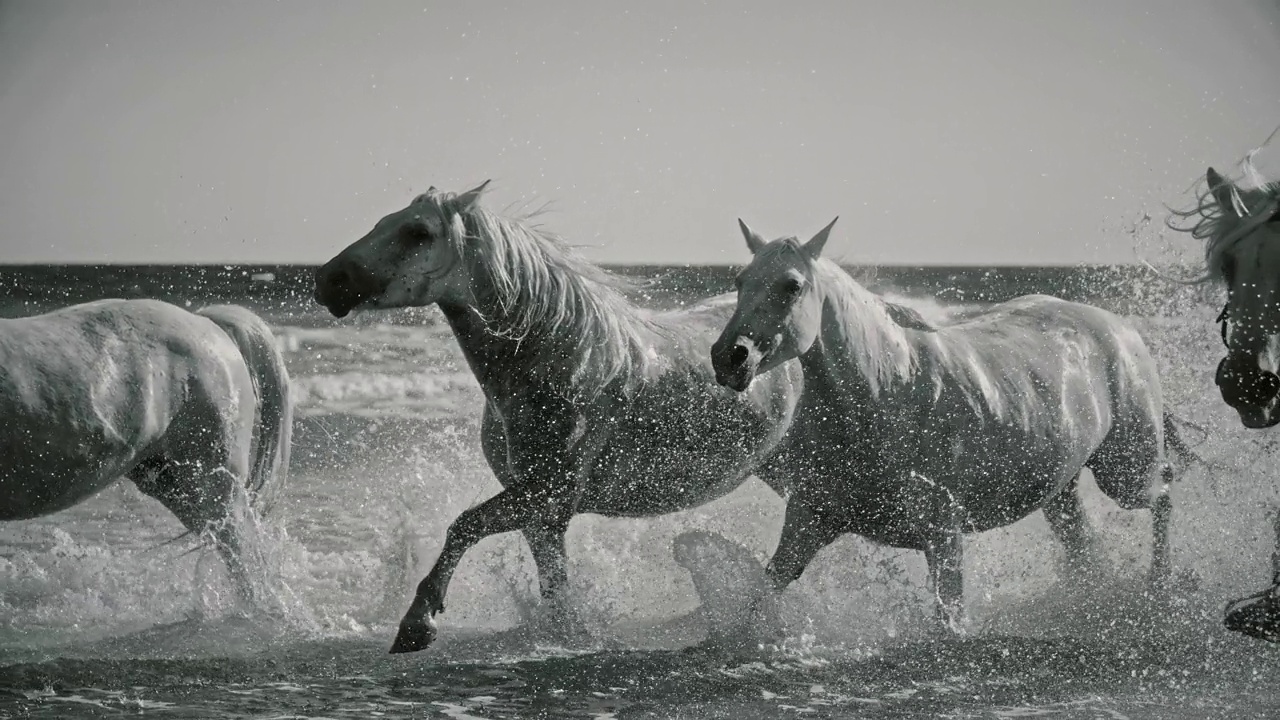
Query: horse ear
{"x": 754, "y": 241}
{"x": 468, "y": 199}
{"x": 1223, "y": 192}
{"x": 813, "y": 248}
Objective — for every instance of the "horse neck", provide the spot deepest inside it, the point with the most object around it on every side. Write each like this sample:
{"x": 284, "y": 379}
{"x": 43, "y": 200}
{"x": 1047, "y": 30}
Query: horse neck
{"x": 512, "y": 351}
{"x": 859, "y": 346}
{"x": 490, "y": 354}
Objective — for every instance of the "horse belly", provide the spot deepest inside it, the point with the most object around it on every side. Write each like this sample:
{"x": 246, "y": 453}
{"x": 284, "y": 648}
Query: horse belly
{"x": 1003, "y": 477}
{"x": 1005, "y": 457}
{"x": 43, "y": 475}
{"x": 889, "y": 489}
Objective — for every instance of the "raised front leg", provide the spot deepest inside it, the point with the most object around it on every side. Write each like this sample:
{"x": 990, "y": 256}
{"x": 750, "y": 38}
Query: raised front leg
{"x": 944, "y": 554}
{"x": 546, "y": 540}
{"x": 804, "y": 533}
{"x": 515, "y": 508}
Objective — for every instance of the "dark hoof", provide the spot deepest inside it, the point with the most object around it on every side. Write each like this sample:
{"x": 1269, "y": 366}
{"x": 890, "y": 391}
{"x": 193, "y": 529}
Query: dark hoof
{"x": 414, "y": 636}
{"x": 1257, "y": 616}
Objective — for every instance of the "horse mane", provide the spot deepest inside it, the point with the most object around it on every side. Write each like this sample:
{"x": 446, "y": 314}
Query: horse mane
{"x": 875, "y": 326}
{"x": 1220, "y": 230}
{"x": 909, "y": 318}
{"x": 574, "y": 315}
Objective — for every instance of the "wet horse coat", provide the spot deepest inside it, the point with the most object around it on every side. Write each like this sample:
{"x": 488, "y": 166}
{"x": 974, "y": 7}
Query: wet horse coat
{"x": 193, "y": 407}
{"x": 592, "y": 403}
{"x": 913, "y": 436}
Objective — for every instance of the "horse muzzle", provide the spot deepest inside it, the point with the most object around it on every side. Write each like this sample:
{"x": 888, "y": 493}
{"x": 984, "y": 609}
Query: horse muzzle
{"x": 1251, "y": 391}
{"x": 736, "y": 363}
{"x": 340, "y": 289}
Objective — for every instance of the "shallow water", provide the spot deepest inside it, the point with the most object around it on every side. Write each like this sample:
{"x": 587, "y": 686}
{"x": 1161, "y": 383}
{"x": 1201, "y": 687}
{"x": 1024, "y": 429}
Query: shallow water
{"x": 100, "y": 615}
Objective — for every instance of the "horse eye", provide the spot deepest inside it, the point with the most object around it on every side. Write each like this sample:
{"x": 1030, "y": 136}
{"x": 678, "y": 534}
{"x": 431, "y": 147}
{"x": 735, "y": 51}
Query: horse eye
{"x": 791, "y": 287}
{"x": 416, "y": 233}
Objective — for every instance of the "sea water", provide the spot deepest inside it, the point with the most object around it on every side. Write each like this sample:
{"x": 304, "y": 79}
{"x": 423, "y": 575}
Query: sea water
{"x": 104, "y": 613}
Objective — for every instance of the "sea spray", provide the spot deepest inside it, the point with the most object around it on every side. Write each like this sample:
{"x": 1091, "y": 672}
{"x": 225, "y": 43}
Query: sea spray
{"x": 737, "y": 602}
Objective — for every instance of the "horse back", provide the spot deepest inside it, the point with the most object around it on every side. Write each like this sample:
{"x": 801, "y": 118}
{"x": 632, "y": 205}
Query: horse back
{"x": 86, "y": 390}
{"x": 1042, "y": 367}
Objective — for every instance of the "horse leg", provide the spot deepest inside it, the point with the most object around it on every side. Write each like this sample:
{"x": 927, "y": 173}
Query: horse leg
{"x": 1161, "y": 510}
{"x": 1131, "y": 470}
{"x": 804, "y": 532}
{"x": 1275, "y": 552}
{"x": 515, "y": 508}
{"x": 944, "y": 553}
{"x": 205, "y": 499}
{"x": 546, "y": 540}
{"x": 1067, "y": 519}
{"x": 1258, "y": 615}
{"x": 546, "y": 543}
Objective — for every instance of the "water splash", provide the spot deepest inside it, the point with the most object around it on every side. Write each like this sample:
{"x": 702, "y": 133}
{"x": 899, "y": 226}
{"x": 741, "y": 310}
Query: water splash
{"x": 378, "y": 478}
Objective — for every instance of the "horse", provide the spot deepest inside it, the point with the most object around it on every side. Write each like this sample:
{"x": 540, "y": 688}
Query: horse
{"x": 592, "y": 404}
{"x": 913, "y": 435}
{"x": 1239, "y": 223}
{"x": 194, "y": 408}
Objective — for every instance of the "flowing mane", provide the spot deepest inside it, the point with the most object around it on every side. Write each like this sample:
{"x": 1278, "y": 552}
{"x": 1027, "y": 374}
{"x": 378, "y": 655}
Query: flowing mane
{"x": 874, "y": 325}
{"x": 573, "y": 314}
{"x": 1256, "y": 201}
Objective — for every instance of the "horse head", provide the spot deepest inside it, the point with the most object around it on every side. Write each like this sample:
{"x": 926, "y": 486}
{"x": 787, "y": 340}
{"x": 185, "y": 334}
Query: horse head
{"x": 778, "y": 315}
{"x": 411, "y": 258}
{"x": 1242, "y": 229}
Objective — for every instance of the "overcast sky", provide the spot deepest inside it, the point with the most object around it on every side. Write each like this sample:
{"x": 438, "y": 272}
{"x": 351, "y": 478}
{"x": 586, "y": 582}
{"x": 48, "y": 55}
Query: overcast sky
{"x": 984, "y": 131}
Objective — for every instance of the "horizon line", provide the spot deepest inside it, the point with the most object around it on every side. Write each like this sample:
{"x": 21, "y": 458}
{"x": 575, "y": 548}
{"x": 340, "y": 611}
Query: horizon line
{"x": 214, "y": 264}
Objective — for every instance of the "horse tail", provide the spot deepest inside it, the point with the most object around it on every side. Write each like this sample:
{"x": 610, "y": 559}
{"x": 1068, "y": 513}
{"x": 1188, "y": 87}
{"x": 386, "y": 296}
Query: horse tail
{"x": 1173, "y": 441}
{"x": 269, "y": 469}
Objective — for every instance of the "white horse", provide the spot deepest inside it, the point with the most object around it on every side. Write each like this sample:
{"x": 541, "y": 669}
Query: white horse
{"x": 1240, "y": 224}
{"x": 194, "y": 408}
{"x": 912, "y": 435}
{"x": 594, "y": 405}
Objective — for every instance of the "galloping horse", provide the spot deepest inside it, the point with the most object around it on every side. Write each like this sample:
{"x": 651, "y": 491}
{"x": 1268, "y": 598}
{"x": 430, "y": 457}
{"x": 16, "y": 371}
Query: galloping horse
{"x": 593, "y": 405}
{"x": 912, "y": 435}
{"x": 189, "y": 406}
{"x": 1240, "y": 224}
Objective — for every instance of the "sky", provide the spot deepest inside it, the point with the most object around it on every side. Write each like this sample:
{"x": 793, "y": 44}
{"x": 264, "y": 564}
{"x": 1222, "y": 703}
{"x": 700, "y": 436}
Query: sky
{"x": 978, "y": 132}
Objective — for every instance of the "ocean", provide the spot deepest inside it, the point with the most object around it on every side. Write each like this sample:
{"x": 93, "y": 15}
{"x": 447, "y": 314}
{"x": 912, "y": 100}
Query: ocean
{"x": 102, "y": 615}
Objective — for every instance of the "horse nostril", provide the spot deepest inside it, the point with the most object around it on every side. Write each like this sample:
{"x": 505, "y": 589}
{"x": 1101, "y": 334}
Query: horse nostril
{"x": 738, "y": 355}
{"x": 1268, "y": 384}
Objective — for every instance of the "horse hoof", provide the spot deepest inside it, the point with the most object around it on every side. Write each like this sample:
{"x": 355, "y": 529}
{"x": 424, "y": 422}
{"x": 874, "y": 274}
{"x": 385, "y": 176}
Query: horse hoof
{"x": 949, "y": 628}
{"x": 414, "y": 636}
{"x": 1257, "y": 616}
